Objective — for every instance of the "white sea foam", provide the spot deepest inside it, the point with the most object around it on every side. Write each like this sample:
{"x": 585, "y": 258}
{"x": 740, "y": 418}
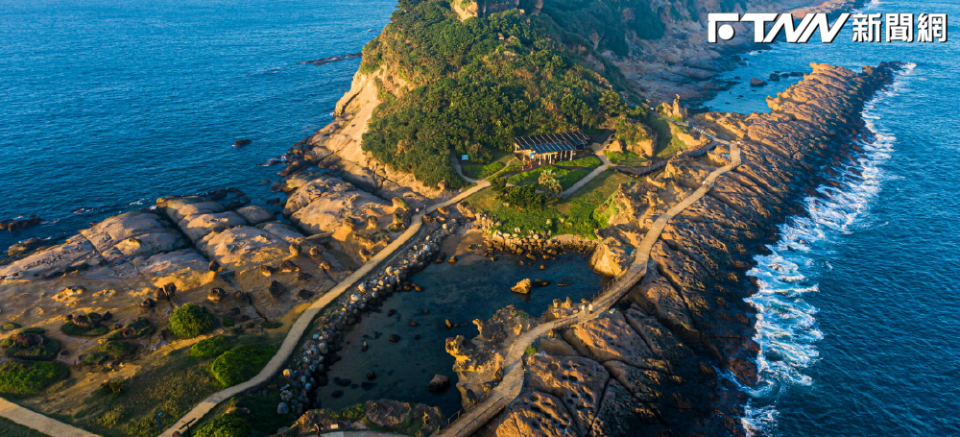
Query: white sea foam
{"x": 786, "y": 327}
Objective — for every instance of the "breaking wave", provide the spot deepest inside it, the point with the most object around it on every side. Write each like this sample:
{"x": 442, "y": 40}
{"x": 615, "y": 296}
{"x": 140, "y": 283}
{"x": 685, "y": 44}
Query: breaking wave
{"x": 786, "y": 326}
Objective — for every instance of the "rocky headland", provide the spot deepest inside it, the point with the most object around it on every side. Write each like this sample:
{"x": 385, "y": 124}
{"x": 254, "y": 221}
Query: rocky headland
{"x": 652, "y": 365}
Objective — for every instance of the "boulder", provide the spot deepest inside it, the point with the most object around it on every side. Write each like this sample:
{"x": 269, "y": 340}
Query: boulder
{"x": 757, "y": 83}
{"x": 522, "y": 287}
{"x": 439, "y": 383}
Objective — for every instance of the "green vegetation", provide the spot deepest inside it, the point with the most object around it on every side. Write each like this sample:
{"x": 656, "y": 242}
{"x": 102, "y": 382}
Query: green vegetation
{"x": 548, "y": 182}
{"x": 227, "y": 425}
{"x": 9, "y": 326}
{"x": 271, "y": 325}
{"x": 116, "y": 350}
{"x": 211, "y": 347}
{"x": 626, "y": 158}
{"x": 482, "y": 171}
{"x": 8, "y": 428}
{"x": 139, "y": 327}
{"x": 40, "y": 348}
{"x": 191, "y": 320}
{"x": 566, "y": 177}
{"x": 588, "y": 209}
{"x": 353, "y": 412}
{"x": 75, "y": 330}
{"x": 587, "y": 161}
{"x": 240, "y": 364}
{"x": 173, "y": 384}
{"x": 26, "y": 378}
{"x": 530, "y": 350}
{"x": 474, "y": 85}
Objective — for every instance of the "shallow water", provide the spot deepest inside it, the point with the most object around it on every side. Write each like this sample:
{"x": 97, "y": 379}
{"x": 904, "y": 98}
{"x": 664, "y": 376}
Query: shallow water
{"x": 858, "y": 304}
{"x": 474, "y": 288}
{"x": 108, "y": 105}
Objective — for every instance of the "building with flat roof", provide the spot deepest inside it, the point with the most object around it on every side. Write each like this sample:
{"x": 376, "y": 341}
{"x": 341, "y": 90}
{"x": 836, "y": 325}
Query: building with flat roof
{"x": 549, "y": 148}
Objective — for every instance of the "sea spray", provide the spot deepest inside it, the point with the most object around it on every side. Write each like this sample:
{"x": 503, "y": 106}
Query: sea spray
{"x": 786, "y": 326}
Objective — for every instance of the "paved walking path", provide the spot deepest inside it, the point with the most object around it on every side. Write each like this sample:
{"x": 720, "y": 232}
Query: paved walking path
{"x": 512, "y": 382}
{"x": 598, "y": 149}
{"x": 39, "y": 422}
{"x": 303, "y": 322}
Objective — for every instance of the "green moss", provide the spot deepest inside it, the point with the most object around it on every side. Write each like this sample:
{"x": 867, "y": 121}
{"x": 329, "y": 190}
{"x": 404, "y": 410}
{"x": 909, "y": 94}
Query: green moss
{"x": 74, "y": 330}
{"x": 191, "y": 320}
{"x": 211, "y": 347}
{"x": 26, "y": 378}
{"x": 240, "y": 364}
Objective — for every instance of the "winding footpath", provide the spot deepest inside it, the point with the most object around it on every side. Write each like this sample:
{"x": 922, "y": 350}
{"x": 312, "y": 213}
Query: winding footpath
{"x": 512, "y": 382}
{"x": 598, "y": 150}
{"x": 306, "y": 318}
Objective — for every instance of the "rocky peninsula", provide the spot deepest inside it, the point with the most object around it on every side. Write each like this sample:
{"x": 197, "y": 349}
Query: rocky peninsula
{"x": 368, "y": 202}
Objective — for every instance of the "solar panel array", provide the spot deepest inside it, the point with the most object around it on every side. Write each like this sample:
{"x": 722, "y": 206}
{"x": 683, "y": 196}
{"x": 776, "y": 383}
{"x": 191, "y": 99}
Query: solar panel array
{"x": 547, "y": 143}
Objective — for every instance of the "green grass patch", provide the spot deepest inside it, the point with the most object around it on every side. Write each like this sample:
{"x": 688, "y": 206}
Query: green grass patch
{"x": 174, "y": 383}
{"x": 587, "y": 161}
{"x": 191, "y": 320}
{"x": 588, "y": 209}
{"x": 482, "y": 171}
{"x": 240, "y": 364}
{"x": 25, "y": 378}
{"x": 228, "y": 425}
{"x": 271, "y": 325}
{"x": 75, "y": 330}
{"x": 211, "y": 347}
{"x": 625, "y": 158}
{"x": 566, "y": 177}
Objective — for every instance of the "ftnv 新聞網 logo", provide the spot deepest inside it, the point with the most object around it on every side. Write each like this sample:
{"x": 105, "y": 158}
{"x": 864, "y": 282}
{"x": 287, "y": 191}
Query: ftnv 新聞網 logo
{"x": 866, "y": 27}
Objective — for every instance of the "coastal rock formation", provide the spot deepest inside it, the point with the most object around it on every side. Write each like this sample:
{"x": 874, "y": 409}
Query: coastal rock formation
{"x": 322, "y": 204}
{"x": 687, "y": 317}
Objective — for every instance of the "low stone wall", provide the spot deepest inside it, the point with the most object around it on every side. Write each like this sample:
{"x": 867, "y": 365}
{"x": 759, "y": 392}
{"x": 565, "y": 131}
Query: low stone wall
{"x": 307, "y": 369}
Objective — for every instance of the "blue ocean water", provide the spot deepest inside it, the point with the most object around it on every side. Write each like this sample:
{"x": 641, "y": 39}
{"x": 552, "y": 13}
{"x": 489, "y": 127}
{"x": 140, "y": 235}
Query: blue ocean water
{"x": 109, "y": 104}
{"x": 858, "y": 309}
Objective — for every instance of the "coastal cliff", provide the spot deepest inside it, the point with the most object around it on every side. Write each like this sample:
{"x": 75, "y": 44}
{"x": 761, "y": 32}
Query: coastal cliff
{"x": 651, "y": 366}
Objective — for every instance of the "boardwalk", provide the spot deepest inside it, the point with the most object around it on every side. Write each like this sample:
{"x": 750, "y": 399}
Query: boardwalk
{"x": 509, "y": 388}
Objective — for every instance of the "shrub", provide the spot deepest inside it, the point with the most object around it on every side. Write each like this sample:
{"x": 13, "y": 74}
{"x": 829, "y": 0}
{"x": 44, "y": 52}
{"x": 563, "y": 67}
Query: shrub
{"x": 530, "y": 350}
{"x": 210, "y": 347}
{"x": 117, "y": 349}
{"x": 240, "y": 364}
{"x": 225, "y": 426}
{"x": 271, "y": 325}
{"x": 30, "y": 377}
{"x": 191, "y": 320}
{"x": 9, "y": 326}
{"x": 46, "y": 350}
{"x": 113, "y": 386}
{"x": 75, "y": 330}
{"x": 139, "y": 327}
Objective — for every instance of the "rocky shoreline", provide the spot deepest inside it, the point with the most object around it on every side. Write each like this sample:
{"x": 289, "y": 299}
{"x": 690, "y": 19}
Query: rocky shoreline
{"x": 654, "y": 365}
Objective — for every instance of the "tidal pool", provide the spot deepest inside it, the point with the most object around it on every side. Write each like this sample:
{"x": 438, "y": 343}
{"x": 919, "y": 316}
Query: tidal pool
{"x": 473, "y": 288}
